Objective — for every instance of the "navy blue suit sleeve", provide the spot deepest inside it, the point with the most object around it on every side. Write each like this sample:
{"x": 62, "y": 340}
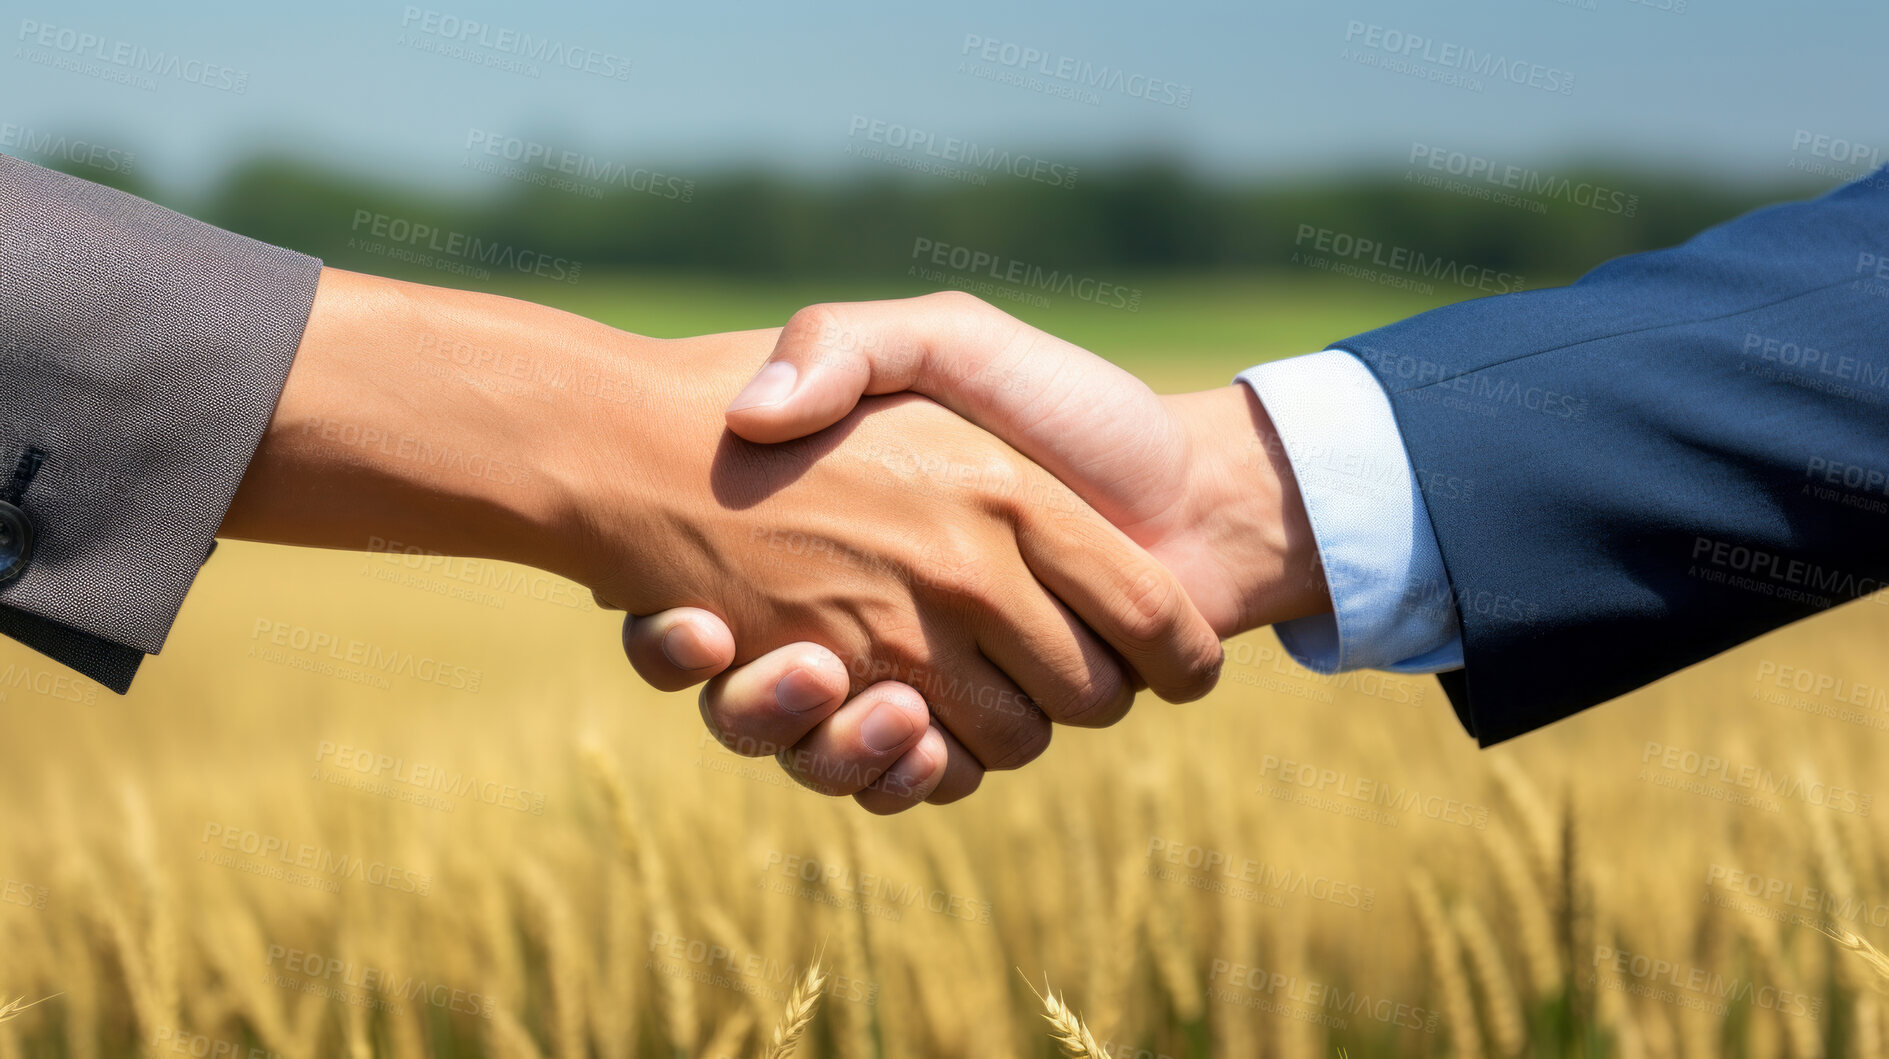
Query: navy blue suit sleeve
{"x": 1679, "y": 452}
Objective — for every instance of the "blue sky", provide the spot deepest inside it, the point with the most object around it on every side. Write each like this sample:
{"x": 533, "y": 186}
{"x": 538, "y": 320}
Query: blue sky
{"x": 1725, "y": 85}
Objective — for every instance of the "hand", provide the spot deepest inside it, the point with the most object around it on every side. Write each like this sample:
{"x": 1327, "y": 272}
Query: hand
{"x": 935, "y": 581}
{"x": 1198, "y": 479}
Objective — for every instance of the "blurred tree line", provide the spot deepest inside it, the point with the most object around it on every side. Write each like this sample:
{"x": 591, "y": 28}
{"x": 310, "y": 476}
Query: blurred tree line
{"x": 1128, "y": 220}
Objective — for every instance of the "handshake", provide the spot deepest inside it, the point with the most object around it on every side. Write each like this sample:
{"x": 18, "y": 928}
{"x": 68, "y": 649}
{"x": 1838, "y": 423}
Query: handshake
{"x": 888, "y": 593}
{"x": 1059, "y": 539}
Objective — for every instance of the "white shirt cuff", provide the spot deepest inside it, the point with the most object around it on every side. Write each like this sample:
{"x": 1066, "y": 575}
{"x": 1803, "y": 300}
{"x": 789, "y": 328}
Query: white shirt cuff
{"x": 1392, "y": 608}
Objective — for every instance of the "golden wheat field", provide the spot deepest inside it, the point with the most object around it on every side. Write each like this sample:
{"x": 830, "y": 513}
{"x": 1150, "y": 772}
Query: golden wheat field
{"x": 376, "y": 806}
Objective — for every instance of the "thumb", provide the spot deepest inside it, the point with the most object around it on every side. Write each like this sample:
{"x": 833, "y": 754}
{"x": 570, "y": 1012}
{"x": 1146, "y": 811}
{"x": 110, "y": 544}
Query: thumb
{"x": 820, "y": 367}
{"x": 1095, "y": 426}
{"x": 678, "y": 648}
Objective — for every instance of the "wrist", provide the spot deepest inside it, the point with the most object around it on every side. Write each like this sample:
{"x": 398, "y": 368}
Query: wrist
{"x": 422, "y": 417}
{"x": 1246, "y": 511}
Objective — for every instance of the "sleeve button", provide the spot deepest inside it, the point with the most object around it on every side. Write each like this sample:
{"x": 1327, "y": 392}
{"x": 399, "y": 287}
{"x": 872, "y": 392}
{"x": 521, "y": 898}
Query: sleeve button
{"x": 16, "y": 541}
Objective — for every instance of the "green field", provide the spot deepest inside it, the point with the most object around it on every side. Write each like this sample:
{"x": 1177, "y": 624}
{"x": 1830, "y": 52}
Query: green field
{"x": 1188, "y": 333}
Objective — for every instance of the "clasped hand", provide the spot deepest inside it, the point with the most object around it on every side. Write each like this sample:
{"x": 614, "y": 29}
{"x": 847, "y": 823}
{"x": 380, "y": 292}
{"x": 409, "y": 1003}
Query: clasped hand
{"x": 1016, "y": 583}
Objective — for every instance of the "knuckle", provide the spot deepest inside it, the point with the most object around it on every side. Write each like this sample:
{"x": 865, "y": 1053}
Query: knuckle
{"x": 736, "y": 731}
{"x": 1020, "y": 744}
{"x": 999, "y": 484}
{"x": 957, "y": 788}
{"x": 957, "y": 301}
{"x": 814, "y": 329}
{"x": 1152, "y": 607}
{"x": 829, "y": 774}
{"x": 1202, "y": 670}
{"x": 953, "y": 564}
{"x": 897, "y": 645}
{"x": 1097, "y": 702}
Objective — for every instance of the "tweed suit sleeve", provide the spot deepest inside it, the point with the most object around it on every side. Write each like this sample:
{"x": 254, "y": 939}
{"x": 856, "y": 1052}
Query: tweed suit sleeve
{"x": 141, "y": 357}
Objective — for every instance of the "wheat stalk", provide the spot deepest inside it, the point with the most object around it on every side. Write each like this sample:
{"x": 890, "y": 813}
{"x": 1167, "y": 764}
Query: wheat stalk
{"x": 1446, "y": 965}
{"x": 1065, "y": 1025}
{"x": 853, "y": 1032}
{"x": 12, "y": 1009}
{"x": 1491, "y": 976}
{"x": 1869, "y": 955}
{"x": 801, "y": 1004}
{"x": 1534, "y": 925}
{"x": 677, "y": 992}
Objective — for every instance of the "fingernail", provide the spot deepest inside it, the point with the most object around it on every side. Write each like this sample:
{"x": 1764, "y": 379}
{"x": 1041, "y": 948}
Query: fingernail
{"x": 908, "y": 775}
{"x": 800, "y": 691}
{"x": 684, "y": 651}
{"x": 886, "y": 728}
{"x": 770, "y": 386}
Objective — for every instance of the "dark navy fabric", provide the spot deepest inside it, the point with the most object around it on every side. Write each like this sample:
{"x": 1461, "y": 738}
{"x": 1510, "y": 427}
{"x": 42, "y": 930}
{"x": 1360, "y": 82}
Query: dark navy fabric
{"x": 1677, "y": 453}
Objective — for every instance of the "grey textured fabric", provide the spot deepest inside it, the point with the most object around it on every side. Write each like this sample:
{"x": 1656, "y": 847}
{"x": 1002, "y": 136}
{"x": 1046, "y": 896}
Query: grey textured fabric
{"x": 143, "y": 351}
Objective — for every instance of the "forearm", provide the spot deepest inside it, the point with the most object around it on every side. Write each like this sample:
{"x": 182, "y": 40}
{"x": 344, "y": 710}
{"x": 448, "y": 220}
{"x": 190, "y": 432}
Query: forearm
{"x": 439, "y": 418}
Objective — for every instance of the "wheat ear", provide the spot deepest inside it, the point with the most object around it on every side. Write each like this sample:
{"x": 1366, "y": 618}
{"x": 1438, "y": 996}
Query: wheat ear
{"x": 801, "y": 1005}
{"x": 12, "y": 1009}
{"x": 1871, "y": 956}
{"x": 1066, "y": 1026}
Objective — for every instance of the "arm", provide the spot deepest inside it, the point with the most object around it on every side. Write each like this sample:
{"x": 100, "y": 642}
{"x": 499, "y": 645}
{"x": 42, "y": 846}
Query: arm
{"x": 848, "y": 539}
{"x": 181, "y": 396}
{"x": 1678, "y": 453}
